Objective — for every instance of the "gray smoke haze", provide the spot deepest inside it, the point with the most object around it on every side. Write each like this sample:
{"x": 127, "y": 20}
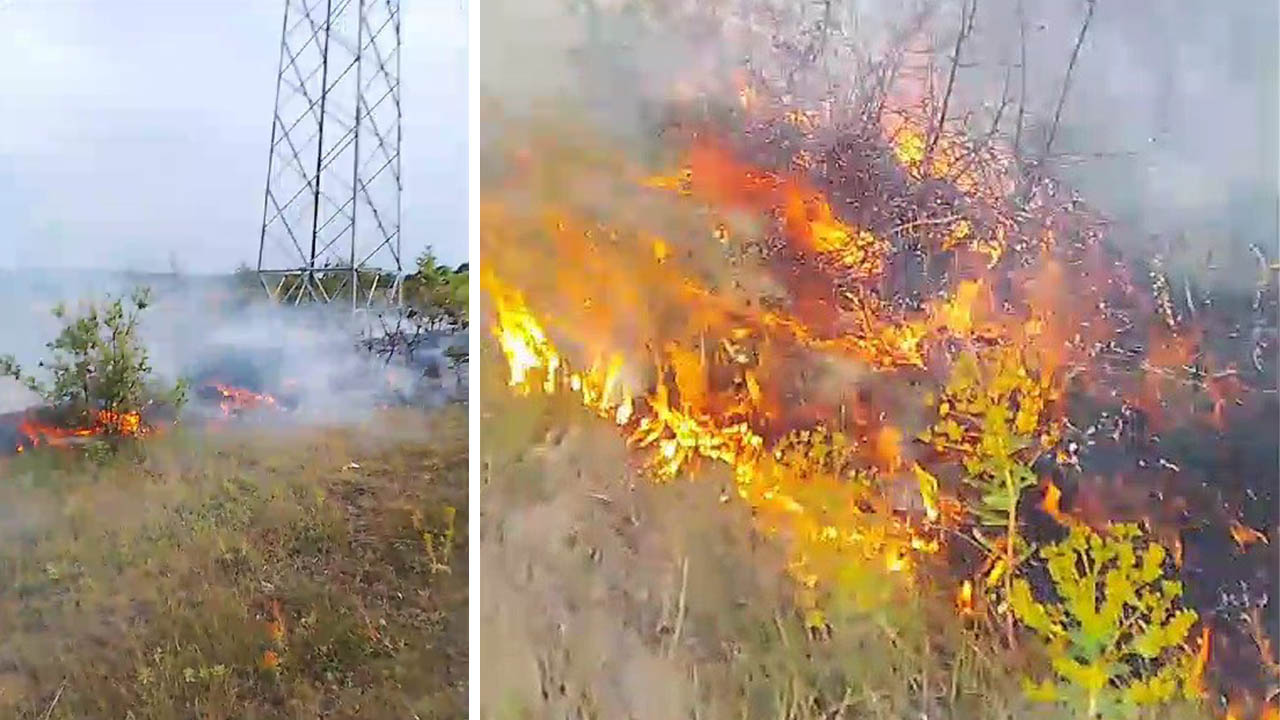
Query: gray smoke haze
{"x": 195, "y": 330}
{"x": 134, "y": 133}
{"x": 1170, "y": 126}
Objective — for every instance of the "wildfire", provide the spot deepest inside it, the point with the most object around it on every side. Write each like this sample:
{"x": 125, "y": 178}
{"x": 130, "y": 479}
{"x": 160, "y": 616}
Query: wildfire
{"x": 235, "y": 400}
{"x": 716, "y": 352}
{"x": 791, "y": 483}
{"x": 105, "y": 422}
{"x": 523, "y": 340}
{"x": 713, "y": 174}
{"x": 1051, "y": 504}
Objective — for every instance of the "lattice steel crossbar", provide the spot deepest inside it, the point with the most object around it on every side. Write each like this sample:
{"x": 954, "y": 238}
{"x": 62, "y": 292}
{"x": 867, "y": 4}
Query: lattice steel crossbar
{"x": 331, "y": 210}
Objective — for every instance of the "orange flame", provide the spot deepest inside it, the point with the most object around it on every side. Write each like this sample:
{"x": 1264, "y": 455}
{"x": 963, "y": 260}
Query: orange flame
{"x": 1196, "y": 679}
{"x": 1052, "y": 504}
{"x": 236, "y": 400}
{"x": 275, "y": 626}
{"x": 964, "y": 598}
{"x": 106, "y": 422}
{"x": 713, "y": 174}
{"x": 779, "y": 483}
{"x": 270, "y": 661}
{"x": 1245, "y": 535}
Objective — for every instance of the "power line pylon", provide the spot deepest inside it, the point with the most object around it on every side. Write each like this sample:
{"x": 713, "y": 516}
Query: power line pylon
{"x": 331, "y": 211}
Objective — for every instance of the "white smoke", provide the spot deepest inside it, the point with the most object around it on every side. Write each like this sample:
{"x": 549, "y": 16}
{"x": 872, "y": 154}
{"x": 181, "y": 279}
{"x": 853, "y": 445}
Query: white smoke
{"x": 198, "y": 329}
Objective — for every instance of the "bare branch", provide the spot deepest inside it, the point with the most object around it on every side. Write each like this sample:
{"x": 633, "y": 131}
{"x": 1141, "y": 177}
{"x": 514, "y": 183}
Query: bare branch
{"x": 886, "y": 69}
{"x": 985, "y": 144}
{"x": 1066, "y": 81}
{"x": 1022, "y": 82}
{"x": 967, "y": 12}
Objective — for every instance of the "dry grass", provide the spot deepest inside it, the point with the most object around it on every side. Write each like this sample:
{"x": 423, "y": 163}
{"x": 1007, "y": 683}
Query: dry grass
{"x": 609, "y": 596}
{"x": 240, "y": 574}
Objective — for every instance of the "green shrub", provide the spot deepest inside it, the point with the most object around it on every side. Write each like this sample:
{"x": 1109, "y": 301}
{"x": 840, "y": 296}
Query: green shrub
{"x": 437, "y": 291}
{"x": 993, "y": 416}
{"x": 99, "y": 373}
{"x": 1116, "y": 632}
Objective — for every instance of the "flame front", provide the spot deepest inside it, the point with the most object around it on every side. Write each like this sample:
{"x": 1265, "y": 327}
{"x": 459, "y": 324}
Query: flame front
{"x": 105, "y": 422}
{"x": 797, "y": 484}
{"x": 236, "y": 400}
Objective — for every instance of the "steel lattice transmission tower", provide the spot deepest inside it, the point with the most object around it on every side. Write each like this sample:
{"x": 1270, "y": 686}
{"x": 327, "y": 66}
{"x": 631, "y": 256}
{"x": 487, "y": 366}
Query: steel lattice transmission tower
{"x": 331, "y": 211}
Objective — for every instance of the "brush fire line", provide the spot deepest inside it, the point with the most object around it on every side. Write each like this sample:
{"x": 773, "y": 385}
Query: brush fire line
{"x": 931, "y": 269}
{"x": 23, "y": 431}
{"x": 32, "y": 428}
{"x": 226, "y": 387}
{"x": 234, "y": 401}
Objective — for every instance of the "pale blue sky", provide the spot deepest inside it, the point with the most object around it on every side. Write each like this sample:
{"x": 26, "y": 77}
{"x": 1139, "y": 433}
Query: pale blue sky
{"x": 133, "y": 129}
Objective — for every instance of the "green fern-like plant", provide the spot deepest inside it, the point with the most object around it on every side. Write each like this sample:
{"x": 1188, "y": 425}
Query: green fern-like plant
{"x": 1116, "y": 634}
{"x": 993, "y": 416}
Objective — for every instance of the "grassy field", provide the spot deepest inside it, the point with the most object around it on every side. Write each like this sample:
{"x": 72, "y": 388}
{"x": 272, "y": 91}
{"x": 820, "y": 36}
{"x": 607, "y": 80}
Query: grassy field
{"x": 240, "y": 573}
{"x": 607, "y": 595}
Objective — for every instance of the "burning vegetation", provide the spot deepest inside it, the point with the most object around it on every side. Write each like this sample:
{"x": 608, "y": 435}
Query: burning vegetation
{"x": 32, "y": 432}
{"x": 101, "y": 388}
{"x": 236, "y": 388}
{"x": 916, "y": 350}
{"x": 99, "y": 384}
{"x": 234, "y": 400}
{"x": 98, "y": 388}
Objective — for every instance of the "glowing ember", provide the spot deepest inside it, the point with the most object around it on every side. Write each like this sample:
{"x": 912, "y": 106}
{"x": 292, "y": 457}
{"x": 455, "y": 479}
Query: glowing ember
{"x": 964, "y": 598}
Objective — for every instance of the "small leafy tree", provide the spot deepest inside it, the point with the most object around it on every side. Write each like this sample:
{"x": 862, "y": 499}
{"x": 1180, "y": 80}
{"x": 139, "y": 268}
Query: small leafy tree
{"x": 438, "y": 292}
{"x": 1116, "y": 632}
{"x": 99, "y": 373}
